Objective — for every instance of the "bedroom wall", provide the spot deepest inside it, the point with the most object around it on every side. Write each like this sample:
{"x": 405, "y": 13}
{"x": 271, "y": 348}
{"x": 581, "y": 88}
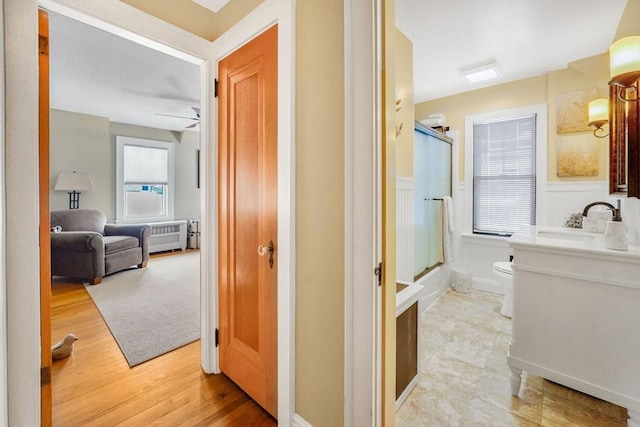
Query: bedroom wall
{"x": 86, "y": 143}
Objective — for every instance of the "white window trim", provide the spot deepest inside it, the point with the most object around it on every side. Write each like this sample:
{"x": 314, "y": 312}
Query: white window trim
{"x": 121, "y": 141}
{"x": 540, "y": 110}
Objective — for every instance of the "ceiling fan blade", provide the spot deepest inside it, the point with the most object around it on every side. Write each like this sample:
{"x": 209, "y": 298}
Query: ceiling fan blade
{"x": 179, "y": 117}
{"x": 192, "y": 126}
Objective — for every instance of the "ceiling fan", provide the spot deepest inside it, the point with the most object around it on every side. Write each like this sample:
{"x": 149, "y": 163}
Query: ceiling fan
{"x": 196, "y": 119}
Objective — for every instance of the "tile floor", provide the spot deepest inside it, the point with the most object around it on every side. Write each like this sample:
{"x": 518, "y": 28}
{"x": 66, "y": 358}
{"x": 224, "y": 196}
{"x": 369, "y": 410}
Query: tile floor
{"x": 464, "y": 377}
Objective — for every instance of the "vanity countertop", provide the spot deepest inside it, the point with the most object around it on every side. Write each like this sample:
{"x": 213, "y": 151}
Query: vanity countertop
{"x": 570, "y": 240}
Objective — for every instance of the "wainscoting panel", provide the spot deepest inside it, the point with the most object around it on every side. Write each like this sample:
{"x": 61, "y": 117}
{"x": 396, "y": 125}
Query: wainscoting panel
{"x": 404, "y": 229}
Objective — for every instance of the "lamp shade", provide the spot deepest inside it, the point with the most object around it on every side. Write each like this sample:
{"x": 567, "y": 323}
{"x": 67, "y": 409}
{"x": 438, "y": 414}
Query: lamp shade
{"x": 599, "y": 110}
{"x": 73, "y": 181}
{"x": 624, "y": 57}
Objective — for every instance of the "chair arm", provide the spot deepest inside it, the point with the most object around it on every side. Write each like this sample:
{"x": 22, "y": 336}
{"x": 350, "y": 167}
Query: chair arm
{"x": 141, "y": 231}
{"x": 133, "y": 230}
{"x": 77, "y": 241}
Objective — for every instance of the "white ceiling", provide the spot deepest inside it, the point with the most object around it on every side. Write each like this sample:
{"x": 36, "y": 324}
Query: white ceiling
{"x": 98, "y": 73}
{"x": 526, "y": 38}
{"x": 95, "y": 72}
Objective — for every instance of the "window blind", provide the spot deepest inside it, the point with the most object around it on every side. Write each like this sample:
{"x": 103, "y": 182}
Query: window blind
{"x": 146, "y": 165}
{"x": 504, "y": 175}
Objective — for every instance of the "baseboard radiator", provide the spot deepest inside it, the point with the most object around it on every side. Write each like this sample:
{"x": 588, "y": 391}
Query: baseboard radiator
{"x": 168, "y": 235}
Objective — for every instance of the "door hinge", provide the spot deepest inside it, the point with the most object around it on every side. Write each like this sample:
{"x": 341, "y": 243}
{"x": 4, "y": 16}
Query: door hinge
{"x": 43, "y": 45}
{"x": 216, "y": 337}
{"x": 45, "y": 376}
{"x": 378, "y": 272}
{"x": 215, "y": 88}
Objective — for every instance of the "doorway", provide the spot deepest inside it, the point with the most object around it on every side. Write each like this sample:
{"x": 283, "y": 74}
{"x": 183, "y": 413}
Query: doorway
{"x": 82, "y": 138}
{"x": 122, "y": 20}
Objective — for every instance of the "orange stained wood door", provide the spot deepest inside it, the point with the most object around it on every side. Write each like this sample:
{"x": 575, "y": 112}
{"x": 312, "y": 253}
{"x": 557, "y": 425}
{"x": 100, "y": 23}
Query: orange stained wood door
{"x": 45, "y": 241}
{"x": 248, "y": 247}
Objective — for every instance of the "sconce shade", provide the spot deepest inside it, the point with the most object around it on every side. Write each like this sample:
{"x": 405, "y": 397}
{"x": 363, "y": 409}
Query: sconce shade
{"x": 74, "y": 181}
{"x": 624, "y": 57}
{"x": 599, "y": 111}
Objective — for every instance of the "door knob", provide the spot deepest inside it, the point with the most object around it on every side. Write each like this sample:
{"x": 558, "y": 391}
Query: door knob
{"x": 270, "y": 249}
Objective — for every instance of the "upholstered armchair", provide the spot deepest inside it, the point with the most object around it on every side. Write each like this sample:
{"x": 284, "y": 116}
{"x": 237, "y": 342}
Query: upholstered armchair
{"x": 89, "y": 248}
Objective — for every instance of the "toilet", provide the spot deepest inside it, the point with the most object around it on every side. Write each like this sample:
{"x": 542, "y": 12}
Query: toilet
{"x": 502, "y": 269}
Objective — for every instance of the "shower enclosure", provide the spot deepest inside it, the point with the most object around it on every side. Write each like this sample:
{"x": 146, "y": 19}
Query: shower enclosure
{"x": 432, "y": 173}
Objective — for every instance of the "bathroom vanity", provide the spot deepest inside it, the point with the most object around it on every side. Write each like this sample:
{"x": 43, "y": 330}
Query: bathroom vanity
{"x": 576, "y": 314}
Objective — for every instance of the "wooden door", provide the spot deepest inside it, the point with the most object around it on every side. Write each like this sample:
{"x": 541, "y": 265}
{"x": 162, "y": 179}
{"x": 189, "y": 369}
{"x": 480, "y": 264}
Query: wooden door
{"x": 248, "y": 246}
{"x": 45, "y": 241}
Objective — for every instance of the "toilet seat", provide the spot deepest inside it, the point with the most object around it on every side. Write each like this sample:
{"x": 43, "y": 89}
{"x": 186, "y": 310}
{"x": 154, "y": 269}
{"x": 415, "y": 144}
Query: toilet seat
{"x": 503, "y": 267}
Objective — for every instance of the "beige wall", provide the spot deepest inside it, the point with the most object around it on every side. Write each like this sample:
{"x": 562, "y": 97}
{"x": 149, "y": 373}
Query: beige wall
{"x": 389, "y": 124}
{"x": 86, "y": 143}
{"x": 581, "y": 74}
{"x": 509, "y": 95}
{"x": 569, "y": 80}
{"x": 319, "y": 224}
{"x": 194, "y": 18}
{"x": 320, "y": 211}
{"x": 404, "y": 93}
{"x": 541, "y": 89}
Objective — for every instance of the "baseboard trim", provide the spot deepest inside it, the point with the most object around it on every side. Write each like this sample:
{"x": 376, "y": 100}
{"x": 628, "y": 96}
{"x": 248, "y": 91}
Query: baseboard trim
{"x": 487, "y": 285}
{"x": 298, "y": 421}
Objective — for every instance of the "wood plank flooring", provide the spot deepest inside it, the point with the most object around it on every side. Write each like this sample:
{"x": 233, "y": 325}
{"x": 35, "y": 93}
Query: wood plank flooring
{"x": 96, "y": 387}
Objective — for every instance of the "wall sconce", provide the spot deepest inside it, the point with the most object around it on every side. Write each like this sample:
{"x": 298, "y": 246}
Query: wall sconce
{"x": 624, "y": 117}
{"x": 599, "y": 116}
{"x": 74, "y": 183}
{"x": 624, "y": 57}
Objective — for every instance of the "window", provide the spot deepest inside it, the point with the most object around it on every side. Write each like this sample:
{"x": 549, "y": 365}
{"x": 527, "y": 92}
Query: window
{"x": 145, "y": 180}
{"x": 504, "y": 169}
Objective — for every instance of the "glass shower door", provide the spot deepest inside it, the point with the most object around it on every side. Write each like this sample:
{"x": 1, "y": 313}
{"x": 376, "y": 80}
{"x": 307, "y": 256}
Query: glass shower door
{"x": 432, "y": 174}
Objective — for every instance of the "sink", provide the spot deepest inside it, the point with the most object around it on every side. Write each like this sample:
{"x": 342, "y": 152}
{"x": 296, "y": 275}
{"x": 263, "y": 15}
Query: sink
{"x": 568, "y": 235}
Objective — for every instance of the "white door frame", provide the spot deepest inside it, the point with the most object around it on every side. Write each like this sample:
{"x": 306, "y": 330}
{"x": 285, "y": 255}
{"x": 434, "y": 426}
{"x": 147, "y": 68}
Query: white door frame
{"x": 362, "y": 220}
{"x": 23, "y": 329}
{"x": 3, "y": 282}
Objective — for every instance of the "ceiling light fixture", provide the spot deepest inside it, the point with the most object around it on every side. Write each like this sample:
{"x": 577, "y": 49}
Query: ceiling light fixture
{"x": 480, "y": 73}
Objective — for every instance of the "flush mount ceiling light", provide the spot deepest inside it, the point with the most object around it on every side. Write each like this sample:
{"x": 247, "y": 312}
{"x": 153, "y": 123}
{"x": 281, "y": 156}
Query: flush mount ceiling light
{"x": 482, "y": 72}
{"x": 213, "y": 5}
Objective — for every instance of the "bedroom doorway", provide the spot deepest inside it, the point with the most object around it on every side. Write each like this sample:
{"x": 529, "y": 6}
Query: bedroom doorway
{"x": 88, "y": 127}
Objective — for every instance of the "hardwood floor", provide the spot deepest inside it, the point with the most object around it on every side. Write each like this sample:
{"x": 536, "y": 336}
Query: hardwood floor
{"x": 96, "y": 387}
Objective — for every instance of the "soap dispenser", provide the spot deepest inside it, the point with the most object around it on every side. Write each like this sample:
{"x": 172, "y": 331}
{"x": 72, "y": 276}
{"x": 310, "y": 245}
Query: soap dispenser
{"x": 615, "y": 234}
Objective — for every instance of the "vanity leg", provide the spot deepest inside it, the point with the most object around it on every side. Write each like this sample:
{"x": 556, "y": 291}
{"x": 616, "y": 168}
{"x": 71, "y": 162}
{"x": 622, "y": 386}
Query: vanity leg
{"x": 516, "y": 379}
{"x": 634, "y": 418}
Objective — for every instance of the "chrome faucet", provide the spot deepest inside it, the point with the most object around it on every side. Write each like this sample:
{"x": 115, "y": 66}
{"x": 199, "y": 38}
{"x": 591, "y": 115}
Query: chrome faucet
{"x": 616, "y": 211}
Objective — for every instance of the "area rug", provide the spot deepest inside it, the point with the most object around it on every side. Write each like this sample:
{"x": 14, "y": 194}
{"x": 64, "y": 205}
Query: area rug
{"x": 153, "y": 310}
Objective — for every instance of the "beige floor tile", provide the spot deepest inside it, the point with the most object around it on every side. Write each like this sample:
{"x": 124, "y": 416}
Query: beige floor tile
{"x": 496, "y": 389}
{"x": 482, "y": 413}
{"x": 435, "y": 403}
{"x": 453, "y": 371}
{"x": 467, "y": 350}
{"x": 465, "y": 376}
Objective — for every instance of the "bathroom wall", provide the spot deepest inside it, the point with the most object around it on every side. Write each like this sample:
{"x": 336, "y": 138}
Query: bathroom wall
{"x": 561, "y": 195}
{"x": 405, "y": 114}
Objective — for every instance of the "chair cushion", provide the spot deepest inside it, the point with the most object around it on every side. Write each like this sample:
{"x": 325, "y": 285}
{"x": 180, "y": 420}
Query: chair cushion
{"x": 114, "y": 244}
